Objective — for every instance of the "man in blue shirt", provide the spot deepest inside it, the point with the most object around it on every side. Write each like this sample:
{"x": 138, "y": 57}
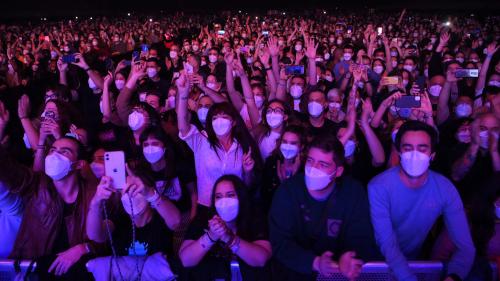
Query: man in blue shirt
{"x": 406, "y": 201}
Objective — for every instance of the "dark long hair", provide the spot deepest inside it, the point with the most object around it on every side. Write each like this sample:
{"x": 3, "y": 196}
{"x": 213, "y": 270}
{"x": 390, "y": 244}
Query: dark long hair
{"x": 158, "y": 133}
{"x": 239, "y": 131}
{"x": 265, "y": 129}
{"x": 245, "y": 211}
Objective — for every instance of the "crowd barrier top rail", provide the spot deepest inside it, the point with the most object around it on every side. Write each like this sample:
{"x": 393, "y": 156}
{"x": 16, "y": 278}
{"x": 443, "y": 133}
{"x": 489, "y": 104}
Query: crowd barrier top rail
{"x": 371, "y": 271}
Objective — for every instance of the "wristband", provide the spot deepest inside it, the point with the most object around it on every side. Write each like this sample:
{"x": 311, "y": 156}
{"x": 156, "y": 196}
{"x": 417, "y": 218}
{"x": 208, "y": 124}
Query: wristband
{"x": 87, "y": 69}
{"x": 208, "y": 235}
{"x": 235, "y": 246}
{"x": 205, "y": 241}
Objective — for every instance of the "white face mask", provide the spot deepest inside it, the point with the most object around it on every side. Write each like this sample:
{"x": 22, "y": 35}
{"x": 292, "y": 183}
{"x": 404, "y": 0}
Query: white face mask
{"x": 92, "y": 85}
{"x": 119, "y": 84}
{"x": 196, "y": 48}
{"x": 484, "y": 139}
{"x": 463, "y": 110}
{"x": 227, "y": 208}
{"x": 97, "y": 169}
{"x": 464, "y": 136}
{"x": 494, "y": 83}
{"x": 135, "y": 120}
{"x": 289, "y": 151}
{"x": 202, "y": 114}
{"x": 435, "y": 90}
{"x": 326, "y": 56}
{"x": 57, "y": 166}
{"x": 347, "y": 56}
{"x": 408, "y": 67}
{"x": 171, "y": 102}
{"x": 415, "y": 163}
{"x": 296, "y": 91}
{"x": 259, "y": 101}
{"x": 153, "y": 153}
{"x": 334, "y": 106}
{"x": 212, "y": 86}
{"x": 173, "y": 54}
{"x": 315, "y": 109}
{"x": 349, "y": 148}
{"x": 138, "y": 206}
{"x": 394, "y": 53}
{"x": 298, "y": 48}
{"x": 316, "y": 179}
{"x": 152, "y": 72}
{"x": 221, "y": 126}
{"x": 274, "y": 120}
{"x": 212, "y": 58}
{"x": 378, "y": 69}
{"x": 394, "y": 63}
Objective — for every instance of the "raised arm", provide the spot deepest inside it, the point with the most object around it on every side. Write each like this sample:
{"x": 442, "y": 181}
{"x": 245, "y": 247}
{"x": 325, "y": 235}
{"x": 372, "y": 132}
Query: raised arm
{"x": 264, "y": 56}
{"x": 481, "y": 81}
{"x": 23, "y": 110}
{"x": 311, "y": 61}
{"x": 376, "y": 149}
{"x": 462, "y": 165}
{"x": 379, "y": 114}
{"x": 182, "y": 105}
{"x": 233, "y": 94}
{"x": 274, "y": 49}
{"x": 93, "y": 74}
{"x": 95, "y": 223}
{"x": 443, "y": 111}
{"x": 253, "y": 111}
{"x": 63, "y": 72}
{"x": 123, "y": 105}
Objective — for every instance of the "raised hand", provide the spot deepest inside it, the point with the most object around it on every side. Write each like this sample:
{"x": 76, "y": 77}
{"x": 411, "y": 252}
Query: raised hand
{"x": 491, "y": 49}
{"x": 273, "y": 47}
{"x": 63, "y": 67}
{"x": 444, "y": 38}
{"x": 80, "y": 61}
{"x": 248, "y": 162}
{"x": 23, "y": 107}
{"x": 103, "y": 191}
{"x": 108, "y": 79}
{"x": 311, "y": 48}
{"x": 264, "y": 56}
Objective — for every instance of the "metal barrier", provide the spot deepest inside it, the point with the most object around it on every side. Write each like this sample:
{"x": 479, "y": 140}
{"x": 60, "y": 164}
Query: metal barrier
{"x": 10, "y": 269}
{"x": 380, "y": 271}
{"x": 372, "y": 271}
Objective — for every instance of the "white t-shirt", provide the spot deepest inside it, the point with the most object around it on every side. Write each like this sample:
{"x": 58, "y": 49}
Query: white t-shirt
{"x": 211, "y": 164}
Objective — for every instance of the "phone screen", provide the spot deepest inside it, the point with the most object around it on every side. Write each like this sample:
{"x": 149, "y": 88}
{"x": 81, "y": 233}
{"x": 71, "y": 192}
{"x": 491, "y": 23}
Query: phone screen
{"x": 379, "y": 31}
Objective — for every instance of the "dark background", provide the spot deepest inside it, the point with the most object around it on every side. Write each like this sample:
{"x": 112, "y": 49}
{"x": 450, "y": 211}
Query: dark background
{"x": 22, "y": 9}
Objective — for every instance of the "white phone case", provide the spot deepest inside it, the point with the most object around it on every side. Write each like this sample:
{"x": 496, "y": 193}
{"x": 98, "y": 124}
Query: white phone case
{"x": 114, "y": 163}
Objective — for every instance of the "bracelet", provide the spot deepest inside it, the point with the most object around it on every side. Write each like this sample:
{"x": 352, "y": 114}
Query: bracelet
{"x": 268, "y": 68}
{"x": 235, "y": 246}
{"x": 87, "y": 69}
{"x": 205, "y": 241}
{"x": 208, "y": 235}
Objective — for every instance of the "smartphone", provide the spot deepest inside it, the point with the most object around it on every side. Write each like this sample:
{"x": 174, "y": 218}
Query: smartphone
{"x": 389, "y": 80}
{"x": 244, "y": 49}
{"x": 136, "y": 55}
{"x": 48, "y": 115}
{"x": 379, "y": 30}
{"x": 467, "y": 73}
{"x": 46, "y": 38}
{"x": 349, "y": 29}
{"x": 71, "y": 58}
{"x": 265, "y": 33}
{"x": 114, "y": 167}
{"x": 144, "y": 48}
{"x": 408, "y": 101}
{"x": 221, "y": 32}
{"x": 294, "y": 70}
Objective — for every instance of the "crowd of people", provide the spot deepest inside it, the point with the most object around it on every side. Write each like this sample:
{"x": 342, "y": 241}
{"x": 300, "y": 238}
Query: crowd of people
{"x": 256, "y": 147}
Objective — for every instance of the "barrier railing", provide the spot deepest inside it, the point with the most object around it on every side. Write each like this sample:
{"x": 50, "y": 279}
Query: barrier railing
{"x": 372, "y": 271}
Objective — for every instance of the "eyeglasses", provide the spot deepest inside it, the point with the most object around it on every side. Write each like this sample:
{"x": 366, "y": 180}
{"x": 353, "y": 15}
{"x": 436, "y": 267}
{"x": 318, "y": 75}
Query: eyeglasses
{"x": 275, "y": 110}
